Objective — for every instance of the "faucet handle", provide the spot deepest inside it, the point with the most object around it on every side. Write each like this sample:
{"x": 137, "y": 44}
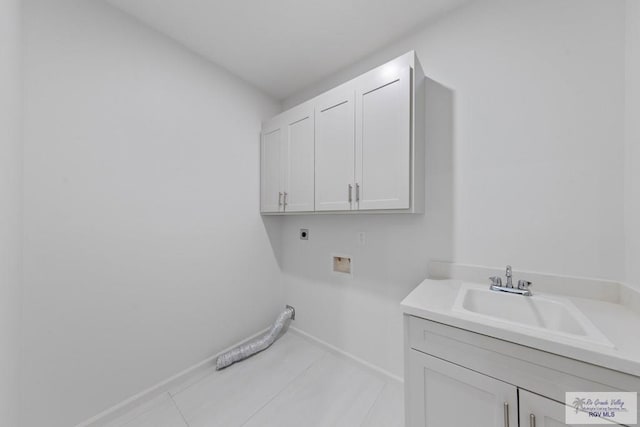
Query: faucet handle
{"x": 496, "y": 281}
{"x": 524, "y": 284}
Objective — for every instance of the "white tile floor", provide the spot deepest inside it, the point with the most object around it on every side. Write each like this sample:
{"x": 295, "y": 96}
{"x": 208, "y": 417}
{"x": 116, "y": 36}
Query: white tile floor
{"x": 294, "y": 383}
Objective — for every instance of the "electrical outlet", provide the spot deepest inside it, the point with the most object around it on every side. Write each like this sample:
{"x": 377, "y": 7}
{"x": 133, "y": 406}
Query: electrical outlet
{"x": 304, "y": 234}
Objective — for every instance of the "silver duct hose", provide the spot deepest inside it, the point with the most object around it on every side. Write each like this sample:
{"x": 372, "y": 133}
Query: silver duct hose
{"x": 258, "y": 344}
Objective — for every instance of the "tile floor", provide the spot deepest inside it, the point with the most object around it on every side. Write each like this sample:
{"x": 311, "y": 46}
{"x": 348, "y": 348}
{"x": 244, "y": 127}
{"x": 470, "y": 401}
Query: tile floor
{"x": 294, "y": 383}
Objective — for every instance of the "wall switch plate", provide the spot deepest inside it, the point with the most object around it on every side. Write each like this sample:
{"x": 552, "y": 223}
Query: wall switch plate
{"x": 342, "y": 264}
{"x": 304, "y": 234}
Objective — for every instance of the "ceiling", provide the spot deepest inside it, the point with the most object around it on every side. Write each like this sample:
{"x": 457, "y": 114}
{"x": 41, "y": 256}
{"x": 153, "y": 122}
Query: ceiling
{"x": 282, "y": 46}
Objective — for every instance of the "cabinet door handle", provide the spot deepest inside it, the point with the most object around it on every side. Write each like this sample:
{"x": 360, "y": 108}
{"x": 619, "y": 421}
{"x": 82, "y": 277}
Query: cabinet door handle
{"x": 350, "y": 190}
{"x": 280, "y": 199}
{"x": 357, "y": 192}
{"x": 532, "y": 420}
{"x": 506, "y": 414}
{"x": 285, "y": 199}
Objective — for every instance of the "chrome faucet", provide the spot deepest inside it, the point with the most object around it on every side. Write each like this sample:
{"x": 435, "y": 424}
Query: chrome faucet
{"x": 522, "y": 289}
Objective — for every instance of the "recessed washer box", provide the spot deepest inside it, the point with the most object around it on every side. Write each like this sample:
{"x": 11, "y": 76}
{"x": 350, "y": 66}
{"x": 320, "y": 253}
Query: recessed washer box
{"x": 341, "y": 264}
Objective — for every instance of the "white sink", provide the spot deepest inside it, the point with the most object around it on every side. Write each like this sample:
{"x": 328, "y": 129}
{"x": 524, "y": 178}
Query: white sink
{"x": 543, "y": 314}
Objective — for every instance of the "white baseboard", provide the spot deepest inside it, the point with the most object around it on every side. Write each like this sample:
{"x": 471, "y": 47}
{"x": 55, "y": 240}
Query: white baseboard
{"x": 386, "y": 374}
{"x": 153, "y": 392}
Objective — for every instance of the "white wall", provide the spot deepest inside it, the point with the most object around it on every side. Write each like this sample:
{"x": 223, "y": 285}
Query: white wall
{"x": 528, "y": 169}
{"x": 10, "y": 225}
{"x": 632, "y": 142}
{"x": 144, "y": 250}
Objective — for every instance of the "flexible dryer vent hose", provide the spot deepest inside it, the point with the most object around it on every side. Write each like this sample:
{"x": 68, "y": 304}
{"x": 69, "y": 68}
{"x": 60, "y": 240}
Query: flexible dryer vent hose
{"x": 258, "y": 344}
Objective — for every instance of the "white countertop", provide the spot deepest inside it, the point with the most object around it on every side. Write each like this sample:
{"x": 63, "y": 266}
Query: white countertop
{"x": 619, "y": 323}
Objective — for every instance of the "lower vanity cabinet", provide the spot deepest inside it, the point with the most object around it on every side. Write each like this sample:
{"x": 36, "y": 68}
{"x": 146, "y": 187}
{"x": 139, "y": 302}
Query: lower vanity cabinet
{"x": 443, "y": 394}
{"x": 458, "y": 378}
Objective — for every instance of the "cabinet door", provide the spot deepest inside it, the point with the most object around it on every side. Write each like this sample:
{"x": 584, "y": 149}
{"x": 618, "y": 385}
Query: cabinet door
{"x": 383, "y": 139}
{"x": 298, "y": 159}
{"x": 441, "y": 394}
{"x": 335, "y": 147}
{"x": 271, "y": 168}
{"x": 538, "y": 411}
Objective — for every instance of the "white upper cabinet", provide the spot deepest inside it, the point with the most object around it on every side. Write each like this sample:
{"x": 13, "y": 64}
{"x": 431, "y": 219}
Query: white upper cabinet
{"x": 335, "y": 154}
{"x": 356, "y": 148}
{"x": 383, "y": 139}
{"x": 287, "y": 169}
{"x": 271, "y": 167}
{"x": 298, "y": 186}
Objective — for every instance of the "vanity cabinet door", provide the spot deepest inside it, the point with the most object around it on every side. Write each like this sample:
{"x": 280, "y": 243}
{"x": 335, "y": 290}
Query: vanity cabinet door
{"x": 538, "y": 411}
{"x": 441, "y": 394}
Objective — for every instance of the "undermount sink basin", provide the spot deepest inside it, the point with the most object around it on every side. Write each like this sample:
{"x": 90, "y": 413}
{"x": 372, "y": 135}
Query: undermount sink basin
{"x": 548, "y": 314}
